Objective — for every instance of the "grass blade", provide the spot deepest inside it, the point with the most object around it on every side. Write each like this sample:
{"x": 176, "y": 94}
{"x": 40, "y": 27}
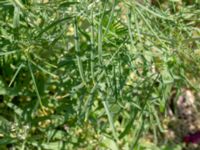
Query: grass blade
{"x": 15, "y": 75}
{"x": 39, "y": 102}
{"x": 100, "y": 42}
{"x": 43, "y": 69}
{"x": 77, "y": 48}
{"x": 105, "y": 104}
{"x": 7, "y": 53}
{"x": 53, "y": 24}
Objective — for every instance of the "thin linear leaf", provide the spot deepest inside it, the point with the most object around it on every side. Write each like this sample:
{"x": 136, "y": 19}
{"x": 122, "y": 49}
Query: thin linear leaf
{"x": 16, "y": 73}
{"x": 105, "y": 104}
{"x": 7, "y": 53}
{"x": 92, "y": 47}
{"x": 16, "y": 17}
{"x": 19, "y": 3}
{"x": 39, "y": 102}
{"x": 77, "y": 48}
{"x": 67, "y": 4}
{"x": 53, "y": 25}
{"x": 43, "y": 69}
{"x": 152, "y": 12}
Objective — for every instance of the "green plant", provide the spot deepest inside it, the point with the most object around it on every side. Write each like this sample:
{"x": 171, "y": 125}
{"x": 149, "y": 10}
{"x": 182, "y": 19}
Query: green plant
{"x": 91, "y": 74}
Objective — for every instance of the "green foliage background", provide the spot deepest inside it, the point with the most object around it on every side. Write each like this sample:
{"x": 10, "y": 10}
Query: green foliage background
{"x": 92, "y": 74}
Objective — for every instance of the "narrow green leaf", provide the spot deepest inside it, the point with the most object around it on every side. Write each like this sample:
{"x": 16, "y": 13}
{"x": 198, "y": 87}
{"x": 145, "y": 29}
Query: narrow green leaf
{"x": 152, "y": 12}
{"x": 77, "y": 48}
{"x": 53, "y": 24}
{"x": 16, "y": 17}
{"x": 105, "y": 104}
{"x": 100, "y": 40}
{"x": 19, "y": 4}
{"x": 43, "y": 69}
{"x": 67, "y": 4}
{"x": 7, "y": 53}
{"x": 16, "y": 73}
{"x": 39, "y": 102}
{"x": 92, "y": 47}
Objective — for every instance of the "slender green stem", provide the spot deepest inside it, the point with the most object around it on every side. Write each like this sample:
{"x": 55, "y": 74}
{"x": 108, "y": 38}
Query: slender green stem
{"x": 77, "y": 48}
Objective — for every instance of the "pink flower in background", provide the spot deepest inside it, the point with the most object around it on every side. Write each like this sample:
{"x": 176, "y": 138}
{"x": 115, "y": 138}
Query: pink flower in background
{"x": 192, "y": 138}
